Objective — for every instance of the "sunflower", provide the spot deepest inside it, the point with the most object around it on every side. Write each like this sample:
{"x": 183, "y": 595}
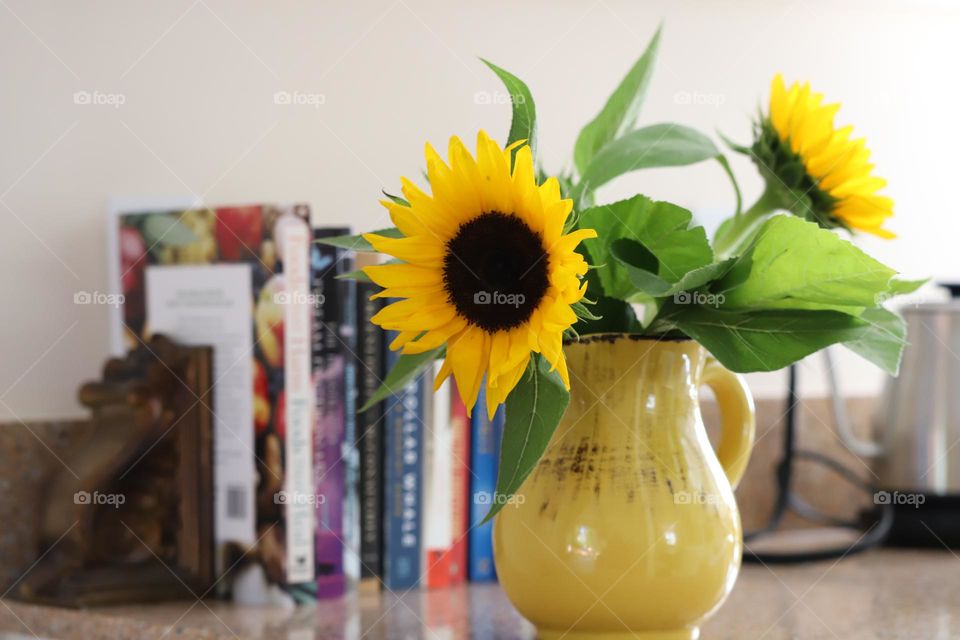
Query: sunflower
{"x": 484, "y": 268}
{"x": 824, "y": 174}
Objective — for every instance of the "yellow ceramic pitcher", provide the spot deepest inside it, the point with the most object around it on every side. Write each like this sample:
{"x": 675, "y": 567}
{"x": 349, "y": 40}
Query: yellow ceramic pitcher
{"x": 628, "y": 527}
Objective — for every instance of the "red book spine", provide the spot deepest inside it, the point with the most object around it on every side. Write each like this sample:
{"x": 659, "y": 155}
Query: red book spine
{"x": 457, "y": 564}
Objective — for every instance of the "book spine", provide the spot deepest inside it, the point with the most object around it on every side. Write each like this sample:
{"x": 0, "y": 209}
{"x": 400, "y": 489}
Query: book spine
{"x": 294, "y": 238}
{"x": 350, "y": 454}
{"x": 329, "y": 373}
{"x": 460, "y": 499}
{"x": 403, "y": 475}
{"x": 438, "y": 489}
{"x": 485, "y": 435}
{"x": 370, "y": 373}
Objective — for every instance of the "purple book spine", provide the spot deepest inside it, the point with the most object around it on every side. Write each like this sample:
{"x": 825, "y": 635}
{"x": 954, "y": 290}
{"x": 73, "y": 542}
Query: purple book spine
{"x": 329, "y": 368}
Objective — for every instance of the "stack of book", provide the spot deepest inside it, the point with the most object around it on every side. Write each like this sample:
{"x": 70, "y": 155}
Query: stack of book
{"x": 311, "y": 496}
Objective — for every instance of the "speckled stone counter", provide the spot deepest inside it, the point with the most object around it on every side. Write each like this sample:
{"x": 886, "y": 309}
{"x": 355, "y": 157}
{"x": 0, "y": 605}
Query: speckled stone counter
{"x": 881, "y": 594}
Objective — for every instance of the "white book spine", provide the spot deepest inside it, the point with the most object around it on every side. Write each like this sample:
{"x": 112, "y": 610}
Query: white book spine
{"x": 295, "y": 238}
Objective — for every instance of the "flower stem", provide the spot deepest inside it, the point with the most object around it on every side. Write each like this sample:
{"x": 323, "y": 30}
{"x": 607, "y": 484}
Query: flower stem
{"x": 735, "y": 234}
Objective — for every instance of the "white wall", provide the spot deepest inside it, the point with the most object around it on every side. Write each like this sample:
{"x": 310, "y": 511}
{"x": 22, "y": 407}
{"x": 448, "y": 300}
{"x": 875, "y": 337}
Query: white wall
{"x": 198, "y": 79}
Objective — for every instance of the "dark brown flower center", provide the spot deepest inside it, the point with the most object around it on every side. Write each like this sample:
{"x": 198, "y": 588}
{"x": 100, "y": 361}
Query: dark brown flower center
{"x": 495, "y": 271}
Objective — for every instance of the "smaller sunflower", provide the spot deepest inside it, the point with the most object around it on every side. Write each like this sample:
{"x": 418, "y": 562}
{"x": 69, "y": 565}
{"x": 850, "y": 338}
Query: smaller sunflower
{"x": 826, "y": 175}
{"x": 485, "y": 268}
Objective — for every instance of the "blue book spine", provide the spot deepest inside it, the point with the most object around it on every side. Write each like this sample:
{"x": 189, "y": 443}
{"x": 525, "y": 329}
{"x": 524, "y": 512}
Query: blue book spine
{"x": 484, "y": 459}
{"x": 403, "y": 476}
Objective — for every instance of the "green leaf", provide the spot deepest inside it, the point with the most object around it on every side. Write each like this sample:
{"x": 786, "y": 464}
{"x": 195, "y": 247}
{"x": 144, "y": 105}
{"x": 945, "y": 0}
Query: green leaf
{"x": 166, "y": 230}
{"x": 407, "y": 367}
{"x": 898, "y": 287}
{"x": 357, "y": 243}
{"x": 765, "y": 340}
{"x": 651, "y": 284}
{"x": 794, "y": 264}
{"x": 883, "y": 340}
{"x": 359, "y": 276}
{"x": 659, "y": 145}
{"x": 396, "y": 199}
{"x": 662, "y": 228}
{"x": 534, "y": 409}
{"x": 722, "y": 159}
{"x": 523, "y": 125}
{"x": 621, "y": 110}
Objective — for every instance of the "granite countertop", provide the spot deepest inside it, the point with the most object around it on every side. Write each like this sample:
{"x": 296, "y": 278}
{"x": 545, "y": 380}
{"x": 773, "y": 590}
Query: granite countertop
{"x": 879, "y": 594}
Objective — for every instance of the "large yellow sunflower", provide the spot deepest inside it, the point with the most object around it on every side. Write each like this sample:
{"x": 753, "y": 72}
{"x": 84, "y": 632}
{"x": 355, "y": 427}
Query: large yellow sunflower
{"x": 485, "y": 268}
{"x": 822, "y": 165}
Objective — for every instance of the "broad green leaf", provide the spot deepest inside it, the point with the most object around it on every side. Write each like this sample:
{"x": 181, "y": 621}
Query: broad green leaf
{"x": 659, "y": 145}
{"x": 621, "y": 110}
{"x": 534, "y": 409}
{"x": 651, "y": 284}
{"x": 883, "y": 340}
{"x": 357, "y": 243}
{"x": 407, "y": 367}
{"x": 661, "y": 227}
{"x": 166, "y": 230}
{"x": 794, "y": 264}
{"x": 523, "y": 125}
{"x": 765, "y": 340}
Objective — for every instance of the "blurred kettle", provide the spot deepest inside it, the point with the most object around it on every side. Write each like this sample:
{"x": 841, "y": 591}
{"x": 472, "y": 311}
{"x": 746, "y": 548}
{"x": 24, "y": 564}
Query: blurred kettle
{"x": 917, "y": 453}
{"x": 918, "y": 423}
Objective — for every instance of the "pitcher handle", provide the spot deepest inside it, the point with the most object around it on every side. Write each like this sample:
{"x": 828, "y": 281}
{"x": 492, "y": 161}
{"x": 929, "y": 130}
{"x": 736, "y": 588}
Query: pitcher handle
{"x": 738, "y": 418}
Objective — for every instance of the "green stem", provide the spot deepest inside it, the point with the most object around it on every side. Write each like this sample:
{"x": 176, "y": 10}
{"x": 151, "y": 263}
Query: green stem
{"x": 735, "y": 235}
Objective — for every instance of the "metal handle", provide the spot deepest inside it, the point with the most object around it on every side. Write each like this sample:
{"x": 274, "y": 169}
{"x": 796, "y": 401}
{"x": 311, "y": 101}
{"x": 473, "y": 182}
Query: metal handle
{"x": 863, "y": 448}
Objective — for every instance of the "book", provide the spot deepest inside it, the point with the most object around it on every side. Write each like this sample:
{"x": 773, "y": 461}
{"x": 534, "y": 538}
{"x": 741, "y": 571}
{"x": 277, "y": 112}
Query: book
{"x": 370, "y": 373}
{"x": 460, "y": 488}
{"x": 484, "y": 460}
{"x": 183, "y": 269}
{"x": 333, "y": 448}
{"x": 438, "y": 488}
{"x": 403, "y": 479}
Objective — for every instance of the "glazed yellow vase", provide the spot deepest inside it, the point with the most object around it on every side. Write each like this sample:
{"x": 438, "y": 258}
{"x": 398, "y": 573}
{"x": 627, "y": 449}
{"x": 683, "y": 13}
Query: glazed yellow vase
{"x": 628, "y": 527}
